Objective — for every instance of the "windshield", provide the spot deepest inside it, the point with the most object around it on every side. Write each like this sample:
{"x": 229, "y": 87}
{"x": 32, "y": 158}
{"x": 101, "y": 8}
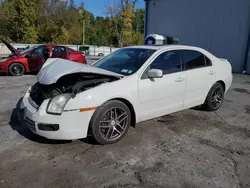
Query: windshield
{"x": 28, "y": 49}
{"x": 125, "y": 61}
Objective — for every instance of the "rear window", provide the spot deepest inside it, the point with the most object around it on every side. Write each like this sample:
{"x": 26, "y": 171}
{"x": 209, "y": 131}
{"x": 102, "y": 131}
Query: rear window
{"x": 69, "y": 50}
{"x": 58, "y": 49}
{"x": 208, "y": 61}
{"x": 192, "y": 59}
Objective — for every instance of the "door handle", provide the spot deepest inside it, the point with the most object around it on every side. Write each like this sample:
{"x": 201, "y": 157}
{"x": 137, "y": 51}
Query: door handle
{"x": 179, "y": 79}
{"x": 211, "y": 73}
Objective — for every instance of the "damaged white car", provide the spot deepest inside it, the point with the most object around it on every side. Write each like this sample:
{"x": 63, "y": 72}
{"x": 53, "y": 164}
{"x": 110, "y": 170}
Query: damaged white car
{"x": 134, "y": 84}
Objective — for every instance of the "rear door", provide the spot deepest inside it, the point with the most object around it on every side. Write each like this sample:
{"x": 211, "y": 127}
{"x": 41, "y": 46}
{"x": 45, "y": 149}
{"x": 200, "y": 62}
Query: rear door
{"x": 36, "y": 58}
{"x": 200, "y": 77}
{"x": 59, "y": 52}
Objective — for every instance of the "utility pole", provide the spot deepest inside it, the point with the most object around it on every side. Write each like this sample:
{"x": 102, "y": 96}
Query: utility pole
{"x": 83, "y": 23}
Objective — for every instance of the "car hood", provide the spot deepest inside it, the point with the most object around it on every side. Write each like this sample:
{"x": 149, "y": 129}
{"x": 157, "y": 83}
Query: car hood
{"x": 54, "y": 68}
{"x": 11, "y": 48}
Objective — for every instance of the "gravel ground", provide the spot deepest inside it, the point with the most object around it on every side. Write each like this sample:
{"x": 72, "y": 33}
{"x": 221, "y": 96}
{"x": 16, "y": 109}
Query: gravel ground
{"x": 187, "y": 149}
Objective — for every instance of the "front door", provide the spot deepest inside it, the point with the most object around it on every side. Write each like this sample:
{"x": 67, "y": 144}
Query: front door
{"x": 161, "y": 96}
{"x": 36, "y": 58}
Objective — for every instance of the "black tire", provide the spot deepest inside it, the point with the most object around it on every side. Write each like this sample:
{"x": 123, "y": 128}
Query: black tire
{"x": 213, "y": 101}
{"x": 16, "y": 69}
{"x": 98, "y": 131}
{"x": 100, "y": 54}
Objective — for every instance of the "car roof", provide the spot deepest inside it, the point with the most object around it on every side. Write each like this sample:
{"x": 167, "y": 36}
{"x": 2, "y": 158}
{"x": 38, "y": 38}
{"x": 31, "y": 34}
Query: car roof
{"x": 52, "y": 45}
{"x": 165, "y": 47}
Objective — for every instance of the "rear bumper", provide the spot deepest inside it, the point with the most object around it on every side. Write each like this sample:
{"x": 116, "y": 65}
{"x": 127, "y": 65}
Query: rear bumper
{"x": 228, "y": 82}
{"x": 69, "y": 125}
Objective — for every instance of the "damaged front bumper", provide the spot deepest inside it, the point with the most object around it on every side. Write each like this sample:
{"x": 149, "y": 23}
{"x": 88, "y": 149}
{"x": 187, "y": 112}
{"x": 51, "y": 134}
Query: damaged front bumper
{"x": 69, "y": 125}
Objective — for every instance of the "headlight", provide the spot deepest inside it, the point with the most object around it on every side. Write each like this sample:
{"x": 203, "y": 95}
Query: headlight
{"x": 57, "y": 104}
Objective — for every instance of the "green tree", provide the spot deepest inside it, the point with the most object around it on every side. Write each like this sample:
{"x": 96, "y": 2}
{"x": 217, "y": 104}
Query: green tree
{"x": 24, "y": 23}
{"x": 99, "y": 32}
{"x": 138, "y": 22}
{"x": 126, "y": 22}
{"x": 60, "y": 24}
{"x": 127, "y": 16}
{"x": 60, "y": 36}
{"x": 54, "y": 21}
{"x": 7, "y": 14}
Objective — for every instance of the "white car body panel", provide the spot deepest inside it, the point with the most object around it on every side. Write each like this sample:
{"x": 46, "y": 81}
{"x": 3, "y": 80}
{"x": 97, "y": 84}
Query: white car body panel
{"x": 222, "y": 67}
{"x": 149, "y": 98}
{"x": 72, "y": 123}
{"x": 126, "y": 88}
{"x": 196, "y": 93}
{"x": 155, "y": 100}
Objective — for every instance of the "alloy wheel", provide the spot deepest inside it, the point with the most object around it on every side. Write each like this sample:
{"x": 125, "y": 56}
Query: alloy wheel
{"x": 113, "y": 123}
{"x": 17, "y": 69}
{"x": 217, "y": 97}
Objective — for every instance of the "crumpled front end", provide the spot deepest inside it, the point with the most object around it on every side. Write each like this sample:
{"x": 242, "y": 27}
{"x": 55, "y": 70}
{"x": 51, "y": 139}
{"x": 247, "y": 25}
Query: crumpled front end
{"x": 56, "y": 68}
{"x": 43, "y": 104}
{"x": 69, "y": 84}
{"x": 69, "y": 125}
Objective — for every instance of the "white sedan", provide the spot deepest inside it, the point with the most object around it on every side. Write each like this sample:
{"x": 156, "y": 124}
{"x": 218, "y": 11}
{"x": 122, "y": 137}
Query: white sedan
{"x": 131, "y": 85}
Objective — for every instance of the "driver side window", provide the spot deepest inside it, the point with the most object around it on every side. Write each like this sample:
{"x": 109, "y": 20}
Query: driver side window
{"x": 169, "y": 62}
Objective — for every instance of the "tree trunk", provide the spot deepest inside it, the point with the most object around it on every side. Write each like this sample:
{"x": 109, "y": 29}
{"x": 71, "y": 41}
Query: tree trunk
{"x": 83, "y": 31}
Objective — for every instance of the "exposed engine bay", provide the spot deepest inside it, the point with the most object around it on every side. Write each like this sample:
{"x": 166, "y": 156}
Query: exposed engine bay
{"x": 72, "y": 83}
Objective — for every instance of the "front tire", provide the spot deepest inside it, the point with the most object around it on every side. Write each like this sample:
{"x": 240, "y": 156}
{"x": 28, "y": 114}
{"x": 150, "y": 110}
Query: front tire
{"x": 16, "y": 69}
{"x": 214, "y": 98}
{"x": 110, "y": 122}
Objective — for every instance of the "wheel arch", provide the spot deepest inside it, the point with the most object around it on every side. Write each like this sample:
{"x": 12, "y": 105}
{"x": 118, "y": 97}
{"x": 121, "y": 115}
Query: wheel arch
{"x": 25, "y": 68}
{"x": 207, "y": 105}
{"x": 123, "y": 100}
{"x": 131, "y": 108}
{"x": 222, "y": 83}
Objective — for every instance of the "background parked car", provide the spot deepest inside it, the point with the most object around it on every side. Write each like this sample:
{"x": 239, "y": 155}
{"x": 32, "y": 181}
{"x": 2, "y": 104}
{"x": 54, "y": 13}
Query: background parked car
{"x": 32, "y": 59}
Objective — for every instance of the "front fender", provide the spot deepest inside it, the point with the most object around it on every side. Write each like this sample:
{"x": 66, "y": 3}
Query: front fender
{"x": 97, "y": 96}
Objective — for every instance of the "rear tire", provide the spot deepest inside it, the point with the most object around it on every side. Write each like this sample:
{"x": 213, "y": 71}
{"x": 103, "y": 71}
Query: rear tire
{"x": 214, "y": 98}
{"x": 110, "y": 122}
{"x": 16, "y": 69}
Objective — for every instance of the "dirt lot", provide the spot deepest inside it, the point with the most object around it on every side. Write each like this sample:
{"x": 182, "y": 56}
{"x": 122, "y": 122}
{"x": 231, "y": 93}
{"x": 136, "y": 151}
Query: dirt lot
{"x": 187, "y": 149}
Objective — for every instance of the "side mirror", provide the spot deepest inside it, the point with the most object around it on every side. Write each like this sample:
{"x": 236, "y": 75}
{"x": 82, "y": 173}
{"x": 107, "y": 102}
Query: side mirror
{"x": 155, "y": 73}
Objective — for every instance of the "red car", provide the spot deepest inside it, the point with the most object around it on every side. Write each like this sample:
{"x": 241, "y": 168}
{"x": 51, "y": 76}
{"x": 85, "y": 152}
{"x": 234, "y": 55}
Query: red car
{"x": 32, "y": 59}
